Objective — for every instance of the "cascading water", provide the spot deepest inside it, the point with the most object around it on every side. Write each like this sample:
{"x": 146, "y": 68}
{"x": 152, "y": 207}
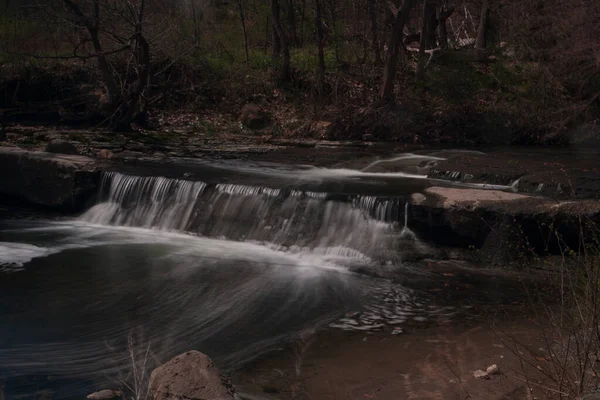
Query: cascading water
{"x": 360, "y": 226}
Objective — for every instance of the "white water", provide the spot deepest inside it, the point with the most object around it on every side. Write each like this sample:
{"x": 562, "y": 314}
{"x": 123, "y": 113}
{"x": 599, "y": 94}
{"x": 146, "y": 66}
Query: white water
{"x": 285, "y": 220}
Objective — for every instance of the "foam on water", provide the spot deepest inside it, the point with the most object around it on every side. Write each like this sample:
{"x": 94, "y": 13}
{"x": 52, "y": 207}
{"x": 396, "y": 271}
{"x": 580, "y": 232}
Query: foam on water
{"x": 13, "y": 256}
{"x": 302, "y": 219}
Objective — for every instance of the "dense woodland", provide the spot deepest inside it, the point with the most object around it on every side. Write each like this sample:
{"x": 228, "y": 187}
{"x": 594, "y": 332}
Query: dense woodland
{"x": 482, "y": 71}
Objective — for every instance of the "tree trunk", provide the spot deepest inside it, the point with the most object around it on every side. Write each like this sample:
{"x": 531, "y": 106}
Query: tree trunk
{"x": 320, "y": 81}
{"x": 291, "y": 17}
{"x": 372, "y": 10}
{"x": 136, "y": 99}
{"x": 302, "y": 19}
{"x": 336, "y": 45}
{"x": 105, "y": 71}
{"x": 428, "y": 26}
{"x": 483, "y": 22}
{"x": 442, "y": 29}
{"x": 243, "y": 20}
{"x": 276, "y": 42}
{"x": 286, "y": 74}
{"x": 394, "y": 43}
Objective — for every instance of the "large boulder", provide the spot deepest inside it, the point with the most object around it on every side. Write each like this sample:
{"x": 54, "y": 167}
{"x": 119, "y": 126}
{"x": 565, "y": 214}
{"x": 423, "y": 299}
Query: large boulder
{"x": 254, "y": 117}
{"x": 190, "y": 376}
{"x": 61, "y": 147}
{"x": 58, "y": 181}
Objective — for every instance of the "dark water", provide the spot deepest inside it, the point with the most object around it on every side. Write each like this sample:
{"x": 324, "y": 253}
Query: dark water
{"x": 234, "y": 270}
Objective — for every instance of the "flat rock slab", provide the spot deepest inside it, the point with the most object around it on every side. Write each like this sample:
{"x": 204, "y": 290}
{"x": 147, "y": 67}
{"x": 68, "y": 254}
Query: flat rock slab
{"x": 473, "y": 217}
{"x": 56, "y": 181}
{"x": 548, "y": 173}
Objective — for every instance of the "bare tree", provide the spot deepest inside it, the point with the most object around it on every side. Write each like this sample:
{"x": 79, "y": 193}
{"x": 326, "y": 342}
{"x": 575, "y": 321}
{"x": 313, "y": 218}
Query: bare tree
{"x": 92, "y": 24}
{"x": 394, "y": 43}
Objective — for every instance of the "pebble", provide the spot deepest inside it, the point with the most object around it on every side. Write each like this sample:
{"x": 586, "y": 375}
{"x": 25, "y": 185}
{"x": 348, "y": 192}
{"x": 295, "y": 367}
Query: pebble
{"x": 492, "y": 369}
{"x": 479, "y": 374}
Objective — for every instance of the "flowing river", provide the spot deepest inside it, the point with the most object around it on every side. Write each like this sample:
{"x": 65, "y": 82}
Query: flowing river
{"x": 233, "y": 263}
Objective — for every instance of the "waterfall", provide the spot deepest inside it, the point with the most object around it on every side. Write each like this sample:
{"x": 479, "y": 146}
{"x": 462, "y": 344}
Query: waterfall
{"x": 292, "y": 220}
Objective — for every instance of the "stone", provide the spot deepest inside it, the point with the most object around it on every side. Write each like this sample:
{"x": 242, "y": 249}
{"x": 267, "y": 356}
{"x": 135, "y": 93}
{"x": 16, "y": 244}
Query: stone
{"x": 479, "y": 374}
{"x": 492, "y": 370}
{"x": 64, "y": 182}
{"x": 190, "y": 376}
{"x": 253, "y": 116}
{"x": 61, "y": 147}
{"x": 105, "y": 154}
{"x": 106, "y": 394}
{"x": 321, "y": 129}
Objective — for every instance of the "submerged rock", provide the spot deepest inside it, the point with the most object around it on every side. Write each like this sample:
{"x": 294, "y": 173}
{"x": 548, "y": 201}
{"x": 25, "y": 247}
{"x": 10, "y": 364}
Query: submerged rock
{"x": 61, "y": 147}
{"x": 190, "y": 376}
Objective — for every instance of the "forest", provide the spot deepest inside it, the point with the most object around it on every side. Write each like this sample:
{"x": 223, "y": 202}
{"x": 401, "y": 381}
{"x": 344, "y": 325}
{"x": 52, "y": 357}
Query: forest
{"x": 426, "y": 71}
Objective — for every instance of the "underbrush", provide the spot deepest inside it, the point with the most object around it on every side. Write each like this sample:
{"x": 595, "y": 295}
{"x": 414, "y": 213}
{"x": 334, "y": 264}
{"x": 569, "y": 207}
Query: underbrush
{"x": 566, "y": 364}
{"x": 462, "y": 103}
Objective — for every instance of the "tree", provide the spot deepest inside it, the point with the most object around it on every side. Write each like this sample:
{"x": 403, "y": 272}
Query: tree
{"x": 372, "y": 10}
{"x": 291, "y": 18}
{"x": 445, "y": 13}
{"x": 480, "y": 43}
{"x": 395, "y": 41}
{"x": 320, "y": 51}
{"x": 91, "y": 23}
{"x": 285, "y": 72}
{"x": 427, "y": 35}
{"x": 243, "y": 20}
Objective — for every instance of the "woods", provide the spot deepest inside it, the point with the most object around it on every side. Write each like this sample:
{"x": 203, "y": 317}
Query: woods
{"x": 324, "y": 46}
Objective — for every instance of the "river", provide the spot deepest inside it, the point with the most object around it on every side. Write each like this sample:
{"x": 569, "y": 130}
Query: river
{"x": 232, "y": 258}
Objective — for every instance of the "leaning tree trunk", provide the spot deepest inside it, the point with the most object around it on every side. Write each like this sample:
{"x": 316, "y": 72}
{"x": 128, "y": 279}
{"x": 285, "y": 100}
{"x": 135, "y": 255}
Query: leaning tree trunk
{"x": 285, "y": 73}
{"x": 483, "y": 22}
{"x": 395, "y": 41}
{"x": 320, "y": 82}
